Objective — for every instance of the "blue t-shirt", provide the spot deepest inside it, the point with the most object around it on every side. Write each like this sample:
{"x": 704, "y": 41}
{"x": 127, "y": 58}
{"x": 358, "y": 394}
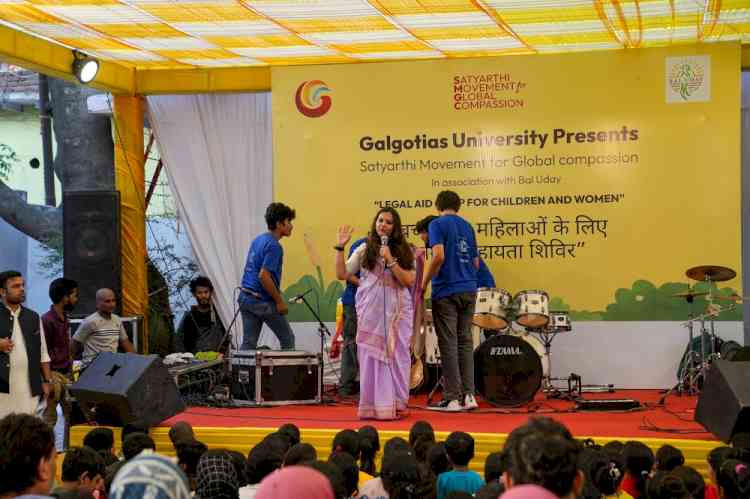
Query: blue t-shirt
{"x": 484, "y": 276}
{"x": 458, "y": 273}
{"x": 265, "y": 252}
{"x": 350, "y": 292}
{"x": 467, "y": 481}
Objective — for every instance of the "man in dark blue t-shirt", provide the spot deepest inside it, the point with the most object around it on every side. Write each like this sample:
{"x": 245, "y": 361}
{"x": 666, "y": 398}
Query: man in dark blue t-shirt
{"x": 453, "y": 272}
{"x": 349, "y": 363}
{"x": 261, "y": 300}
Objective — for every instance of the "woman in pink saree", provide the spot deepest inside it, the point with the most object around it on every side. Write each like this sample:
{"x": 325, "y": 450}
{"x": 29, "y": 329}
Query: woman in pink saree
{"x": 385, "y": 314}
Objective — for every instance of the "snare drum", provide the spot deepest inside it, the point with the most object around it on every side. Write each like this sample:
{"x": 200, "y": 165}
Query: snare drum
{"x": 559, "y": 322}
{"x": 532, "y": 308}
{"x": 491, "y": 309}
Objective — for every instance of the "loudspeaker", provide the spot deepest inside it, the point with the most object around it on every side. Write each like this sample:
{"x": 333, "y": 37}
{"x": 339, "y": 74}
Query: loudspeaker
{"x": 121, "y": 388}
{"x": 91, "y": 244}
{"x": 724, "y": 403}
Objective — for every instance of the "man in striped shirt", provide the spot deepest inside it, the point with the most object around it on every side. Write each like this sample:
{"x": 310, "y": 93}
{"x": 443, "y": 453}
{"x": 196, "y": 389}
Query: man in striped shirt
{"x": 101, "y": 331}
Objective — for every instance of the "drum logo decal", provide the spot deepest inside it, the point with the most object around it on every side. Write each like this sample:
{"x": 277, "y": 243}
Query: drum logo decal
{"x": 505, "y": 351}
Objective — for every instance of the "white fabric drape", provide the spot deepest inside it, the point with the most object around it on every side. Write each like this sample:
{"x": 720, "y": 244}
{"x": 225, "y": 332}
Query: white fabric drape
{"x": 218, "y": 153}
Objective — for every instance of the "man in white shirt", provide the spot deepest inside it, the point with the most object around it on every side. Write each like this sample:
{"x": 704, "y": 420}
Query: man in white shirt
{"x": 101, "y": 331}
{"x": 24, "y": 362}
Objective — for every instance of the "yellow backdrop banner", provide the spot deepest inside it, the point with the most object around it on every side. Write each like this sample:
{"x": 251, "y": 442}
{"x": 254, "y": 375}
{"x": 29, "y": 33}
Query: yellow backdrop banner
{"x": 599, "y": 177}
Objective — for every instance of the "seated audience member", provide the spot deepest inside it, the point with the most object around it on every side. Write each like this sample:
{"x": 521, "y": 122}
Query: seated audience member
{"x": 494, "y": 467}
{"x": 693, "y": 481}
{"x": 135, "y": 443}
{"x": 297, "y": 482}
{"x": 109, "y": 475}
{"x": 200, "y": 329}
{"x": 279, "y": 442}
{"x": 240, "y": 466}
{"x": 460, "y": 449}
{"x": 603, "y": 474}
{"x": 348, "y": 441}
{"x": 437, "y": 459}
{"x": 421, "y": 446}
{"x": 82, "y": 474}
{"x": 348, "y": 467}
{"x": 181, "y": 431}
{"x": 369, "y": 445}
{"x": 149, "y": 476}
{"x": 491, "y": 490}
{"x": 665, "y": 485}
{"x": 291, "y": 431}
{"x": 529, "y": 492}
{"x": 613, "y": 448}
{"x": 216, "y": 477}
{"x": 263, "y": 459}
{"x": 668, "y": 458}
{"x": 639, "y": 460}
{"x": 543, "y": 452}
{"x": 101, "y": 331}
{"x": 334, "y": 475}
{"x": 133, "y": 428}
{"x": 418, "y": 429}
{"x": 715, "y": 459}
{"x": 27, "y": 456}
{"x": 300, "y": 453}
{"x": 399, "y": 475}
{"x": 102, "y": 440}
{"x": 733, "y": 480}
{"x": 188, "y": 456}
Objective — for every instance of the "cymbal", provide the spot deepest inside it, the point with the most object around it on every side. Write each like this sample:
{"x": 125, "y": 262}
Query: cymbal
{"x": 689, "y": 294}
{"x": 714, "y": 273}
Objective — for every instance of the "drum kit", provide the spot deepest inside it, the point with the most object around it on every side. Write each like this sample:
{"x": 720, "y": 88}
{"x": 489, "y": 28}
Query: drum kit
{"x": 511, "y": 363}
{"x": 703, "y": 350}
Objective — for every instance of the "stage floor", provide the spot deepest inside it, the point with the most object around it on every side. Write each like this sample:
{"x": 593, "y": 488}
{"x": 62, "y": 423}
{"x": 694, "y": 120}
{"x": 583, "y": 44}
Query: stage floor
{"x": 241, "y": 428}
{"x": 674, "y": 420}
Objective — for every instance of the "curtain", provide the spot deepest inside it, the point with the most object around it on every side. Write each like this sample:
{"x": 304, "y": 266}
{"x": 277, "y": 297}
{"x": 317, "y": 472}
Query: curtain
{"x": 218, "y": 153}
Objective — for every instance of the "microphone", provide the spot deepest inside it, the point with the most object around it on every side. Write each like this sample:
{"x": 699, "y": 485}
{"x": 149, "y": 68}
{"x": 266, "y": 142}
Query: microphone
{"x": 298, "y": 298}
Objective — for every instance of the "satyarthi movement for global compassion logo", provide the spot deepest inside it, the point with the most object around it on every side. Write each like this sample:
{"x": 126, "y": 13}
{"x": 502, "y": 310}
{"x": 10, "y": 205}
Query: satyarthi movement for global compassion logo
{"x": 311, "y": 98}
{"x": 688, "y": 79}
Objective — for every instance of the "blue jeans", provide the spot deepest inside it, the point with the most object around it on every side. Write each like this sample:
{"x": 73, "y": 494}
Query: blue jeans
{"x": 254, "y": 314}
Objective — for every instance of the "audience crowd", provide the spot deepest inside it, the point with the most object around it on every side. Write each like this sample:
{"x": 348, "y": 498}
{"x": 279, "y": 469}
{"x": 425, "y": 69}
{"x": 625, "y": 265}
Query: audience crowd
{"x": 539, "y": 460}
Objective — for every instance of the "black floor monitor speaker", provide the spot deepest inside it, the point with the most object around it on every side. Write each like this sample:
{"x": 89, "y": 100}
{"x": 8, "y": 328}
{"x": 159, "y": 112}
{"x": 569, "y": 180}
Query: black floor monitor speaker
{"x": 91, "y": 244}
{"x": 724, "y": 403}
{"x": 122, "y": 388}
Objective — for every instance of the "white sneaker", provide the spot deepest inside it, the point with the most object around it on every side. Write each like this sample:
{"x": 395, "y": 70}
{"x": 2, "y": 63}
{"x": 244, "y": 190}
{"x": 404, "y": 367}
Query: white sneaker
{"x": 446, "y": 406}
{"x": 470, "y": 402}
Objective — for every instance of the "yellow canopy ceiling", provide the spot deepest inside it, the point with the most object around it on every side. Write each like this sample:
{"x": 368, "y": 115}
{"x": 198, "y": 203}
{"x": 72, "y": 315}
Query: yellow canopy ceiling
{"x": 194, "y": 37}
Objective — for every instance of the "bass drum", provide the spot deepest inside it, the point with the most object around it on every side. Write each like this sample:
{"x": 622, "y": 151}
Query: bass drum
{"x": 508, "y": 370}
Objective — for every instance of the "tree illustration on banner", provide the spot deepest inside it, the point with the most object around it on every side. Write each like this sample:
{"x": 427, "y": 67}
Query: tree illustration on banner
{"x": 322, "y": 297}
{"x": 643, "y": 301}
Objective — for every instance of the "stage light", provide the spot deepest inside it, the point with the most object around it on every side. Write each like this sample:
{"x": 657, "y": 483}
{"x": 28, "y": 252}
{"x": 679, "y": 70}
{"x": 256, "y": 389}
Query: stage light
{"x": 85, "y": 68}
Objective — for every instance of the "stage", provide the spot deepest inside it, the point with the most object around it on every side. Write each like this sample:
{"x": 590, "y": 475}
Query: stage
{"x": 241, "y": 428}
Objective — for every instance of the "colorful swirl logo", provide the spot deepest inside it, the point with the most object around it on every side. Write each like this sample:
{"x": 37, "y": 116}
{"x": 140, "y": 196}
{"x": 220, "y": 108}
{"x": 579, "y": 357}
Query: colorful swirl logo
{"x": 311, "y": 100}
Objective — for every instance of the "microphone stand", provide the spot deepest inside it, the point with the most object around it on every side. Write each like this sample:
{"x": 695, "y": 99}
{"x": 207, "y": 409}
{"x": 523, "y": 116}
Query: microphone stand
{"x": 322, "y": 330}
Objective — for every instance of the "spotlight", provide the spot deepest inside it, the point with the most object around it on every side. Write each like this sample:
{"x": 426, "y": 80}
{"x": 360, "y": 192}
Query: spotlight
{"x": 85, "y": 68}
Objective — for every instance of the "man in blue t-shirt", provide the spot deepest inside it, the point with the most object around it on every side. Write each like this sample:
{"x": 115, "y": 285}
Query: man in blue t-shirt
{"x": 453, "y": 273}
{"x": 349, "y": 363}
{"x": 484, "y": 276}
{"x": 261, "y": 300}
